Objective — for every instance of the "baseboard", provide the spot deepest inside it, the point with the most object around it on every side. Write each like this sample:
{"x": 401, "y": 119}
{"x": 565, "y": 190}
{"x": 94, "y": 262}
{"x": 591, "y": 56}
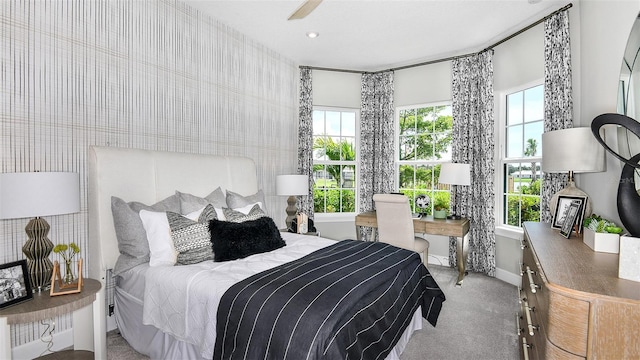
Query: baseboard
{"x": 508, "y": 277}
{"x": 61, "y": 340}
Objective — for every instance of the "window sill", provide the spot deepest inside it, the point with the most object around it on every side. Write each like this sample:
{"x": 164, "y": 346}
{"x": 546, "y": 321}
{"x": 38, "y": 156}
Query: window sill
{"x": 511, "y": 232}
{"x": 334, "y": 217}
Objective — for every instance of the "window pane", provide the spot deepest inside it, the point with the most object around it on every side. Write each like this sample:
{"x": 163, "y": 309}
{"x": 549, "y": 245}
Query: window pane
{"x": 407, "y": 122}
{"x": 514, "y": 141}
{"x": 407, "y": 146}
{"x": 534, "y": 104}
{"x": 349, "y": 124}
{"x": 514, "y": 108}
{"x": 333, "y": 123}
{"x": 533, "y": 138}
{"x": 348, "y": 148}
{"x": 318, "y": 122}
{"x": 407, "y": 176}
{"x": 424, "y": 120}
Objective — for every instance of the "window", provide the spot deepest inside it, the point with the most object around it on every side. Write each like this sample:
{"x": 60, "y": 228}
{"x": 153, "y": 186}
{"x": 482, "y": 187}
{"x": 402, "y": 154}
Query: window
{"x": 424, "y": 141}
{"x": 334, "y": 160}
{"x": 521, "y": 158}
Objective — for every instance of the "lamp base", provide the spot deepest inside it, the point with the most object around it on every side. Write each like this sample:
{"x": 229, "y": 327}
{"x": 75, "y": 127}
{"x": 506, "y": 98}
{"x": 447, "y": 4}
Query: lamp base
{"x": 570, "y": 190}
{"x": 37, "y": 250}
{"x": 292, "y": 210}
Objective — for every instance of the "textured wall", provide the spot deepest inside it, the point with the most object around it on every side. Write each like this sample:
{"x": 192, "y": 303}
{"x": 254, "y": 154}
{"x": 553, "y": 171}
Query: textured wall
{"x": 143, "y": 74}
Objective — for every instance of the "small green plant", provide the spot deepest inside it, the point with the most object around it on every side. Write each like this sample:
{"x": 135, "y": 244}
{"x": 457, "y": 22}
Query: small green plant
{"x": 440, "y": 203}
{"x": 601, "y": 225}
{"x": 67, "y": 251}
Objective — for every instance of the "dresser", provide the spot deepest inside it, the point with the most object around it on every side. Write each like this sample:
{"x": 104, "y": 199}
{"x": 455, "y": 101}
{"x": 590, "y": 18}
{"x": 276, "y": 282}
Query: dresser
{"x": 573, "y": 305}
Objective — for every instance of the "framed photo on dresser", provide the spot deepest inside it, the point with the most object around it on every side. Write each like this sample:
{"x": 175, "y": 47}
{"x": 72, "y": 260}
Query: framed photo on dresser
{"x": 563, "y": 207}
{"x": 14, "y": 283}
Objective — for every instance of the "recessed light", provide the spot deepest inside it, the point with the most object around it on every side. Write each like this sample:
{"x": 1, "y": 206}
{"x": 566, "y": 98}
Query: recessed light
{"x": 312, "y": 34}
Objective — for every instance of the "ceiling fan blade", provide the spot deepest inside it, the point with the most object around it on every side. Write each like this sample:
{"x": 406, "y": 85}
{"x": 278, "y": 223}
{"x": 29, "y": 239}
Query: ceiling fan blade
{"x": 305, "y": 9}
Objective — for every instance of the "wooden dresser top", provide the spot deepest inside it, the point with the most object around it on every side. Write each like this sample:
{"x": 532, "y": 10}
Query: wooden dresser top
{"x": 570, "y": 263}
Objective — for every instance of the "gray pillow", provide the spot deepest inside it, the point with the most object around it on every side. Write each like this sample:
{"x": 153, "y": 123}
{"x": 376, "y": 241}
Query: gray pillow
{"x": 190, "y": 203}
{"x": 235, "y": 200}
{"x": 237, "y": 216}
{"x": 132, "y": 238}
{"x": 192, "y": 239}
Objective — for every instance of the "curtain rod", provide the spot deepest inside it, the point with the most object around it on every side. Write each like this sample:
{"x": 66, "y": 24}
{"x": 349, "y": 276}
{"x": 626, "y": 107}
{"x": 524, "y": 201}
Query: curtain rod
{"x": 566, "y": 7}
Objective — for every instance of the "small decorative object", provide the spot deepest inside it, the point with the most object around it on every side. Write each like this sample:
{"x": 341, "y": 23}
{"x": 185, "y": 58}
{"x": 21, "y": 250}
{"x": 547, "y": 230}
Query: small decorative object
{"x": 59, "y": 287}
{"x": 629, "y": 262}
{"x": 440, "y": 208}
{"x": 67, "y": 252}
{"x": 601, "y": 235}
{"x": 562, "y": 207}
{"x": 570, "y": 217}
{"x": 422, "y": 202}
{"x": 14, "y": 283}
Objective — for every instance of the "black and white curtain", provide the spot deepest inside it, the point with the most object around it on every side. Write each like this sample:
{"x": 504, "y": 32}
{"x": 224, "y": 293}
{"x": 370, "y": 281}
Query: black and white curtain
{"x": 305, "y": 138}
{"x": 376, "y": 138}
{"x": 558, "y": 100}
{"x": 473, "y": 143}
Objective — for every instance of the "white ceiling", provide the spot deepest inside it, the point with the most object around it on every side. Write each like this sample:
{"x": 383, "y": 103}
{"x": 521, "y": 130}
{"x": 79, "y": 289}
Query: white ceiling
{"x": 373, "y": 35}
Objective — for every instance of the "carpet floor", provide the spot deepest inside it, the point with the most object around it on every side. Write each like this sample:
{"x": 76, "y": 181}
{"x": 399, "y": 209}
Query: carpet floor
{"x": 477, "y": 322}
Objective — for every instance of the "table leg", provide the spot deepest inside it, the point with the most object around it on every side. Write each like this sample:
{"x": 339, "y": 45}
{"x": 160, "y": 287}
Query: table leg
{"x": 5, "y": 339}
{"x": 462, "y": 251}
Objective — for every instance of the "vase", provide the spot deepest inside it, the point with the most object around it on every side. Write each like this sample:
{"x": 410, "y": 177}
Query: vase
{"x": 69, "y": 278}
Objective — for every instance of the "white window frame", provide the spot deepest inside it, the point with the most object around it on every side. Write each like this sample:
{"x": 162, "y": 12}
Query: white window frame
{"x": 343, "y": 216}
{"x": 502, "y": 228}
{"x": 396, "y": 160}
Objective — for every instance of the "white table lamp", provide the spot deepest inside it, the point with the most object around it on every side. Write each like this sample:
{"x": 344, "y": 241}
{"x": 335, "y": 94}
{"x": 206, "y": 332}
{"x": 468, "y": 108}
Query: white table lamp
{"x": 292, "y": 186}
{"x": 455, "y": 174}
{"x": 36, "y": 194}
{"x": 573, "y": 150}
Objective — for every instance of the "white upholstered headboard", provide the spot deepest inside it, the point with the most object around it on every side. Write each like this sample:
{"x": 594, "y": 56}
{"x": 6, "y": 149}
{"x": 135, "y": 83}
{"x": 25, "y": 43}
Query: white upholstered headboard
{"x": 148, "y": 177}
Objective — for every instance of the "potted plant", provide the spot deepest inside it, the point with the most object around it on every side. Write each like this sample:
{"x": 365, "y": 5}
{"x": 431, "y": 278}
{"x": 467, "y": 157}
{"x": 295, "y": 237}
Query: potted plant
{"x": 440, "y": 207}
{"x": 68, "y": 252}
{"x": 601, "y": 235}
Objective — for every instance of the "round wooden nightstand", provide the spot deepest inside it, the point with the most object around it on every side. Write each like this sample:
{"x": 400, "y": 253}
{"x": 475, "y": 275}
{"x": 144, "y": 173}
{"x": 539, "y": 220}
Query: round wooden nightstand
{"x": 87, "y": 307}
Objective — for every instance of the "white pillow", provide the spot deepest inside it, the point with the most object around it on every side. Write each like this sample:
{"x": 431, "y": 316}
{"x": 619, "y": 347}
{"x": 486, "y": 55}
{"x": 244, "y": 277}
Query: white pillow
{"x": 161, "y": 249}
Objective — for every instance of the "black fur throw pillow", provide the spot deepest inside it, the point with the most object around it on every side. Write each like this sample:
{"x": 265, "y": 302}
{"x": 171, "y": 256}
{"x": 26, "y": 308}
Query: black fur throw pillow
{"x": 233, "y": 241}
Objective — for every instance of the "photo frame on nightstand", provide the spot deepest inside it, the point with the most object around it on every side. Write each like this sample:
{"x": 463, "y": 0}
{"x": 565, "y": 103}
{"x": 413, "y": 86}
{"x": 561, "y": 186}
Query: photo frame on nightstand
{"x": 563, "y": 204}
{"x": 571, "y": 215}
{"x": 14, "y": 283}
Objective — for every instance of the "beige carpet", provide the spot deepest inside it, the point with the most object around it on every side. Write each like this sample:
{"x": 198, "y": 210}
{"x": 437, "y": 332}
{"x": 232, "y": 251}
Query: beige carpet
{"x": 477, "y": 322}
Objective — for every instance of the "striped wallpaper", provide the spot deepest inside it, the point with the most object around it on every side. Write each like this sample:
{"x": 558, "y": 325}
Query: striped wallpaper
{"x": 143, "y": 74}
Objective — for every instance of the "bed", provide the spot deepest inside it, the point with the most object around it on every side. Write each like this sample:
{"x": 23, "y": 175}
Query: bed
{"x": 171, "y": 312}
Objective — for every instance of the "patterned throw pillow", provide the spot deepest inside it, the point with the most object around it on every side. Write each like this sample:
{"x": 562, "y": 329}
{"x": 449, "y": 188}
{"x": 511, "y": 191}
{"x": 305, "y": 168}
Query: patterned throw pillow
{"x": 238, "y": 217}
{"x": 192, "y": 239}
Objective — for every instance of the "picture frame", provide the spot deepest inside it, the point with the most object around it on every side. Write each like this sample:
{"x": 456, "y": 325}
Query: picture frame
{"x": 14, "y": 283}
{"x": 570, "y": 218}
{"x": 562, "y": 207}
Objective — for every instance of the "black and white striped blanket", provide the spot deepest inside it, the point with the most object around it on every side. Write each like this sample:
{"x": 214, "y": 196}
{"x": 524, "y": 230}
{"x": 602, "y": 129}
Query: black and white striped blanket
{"x": 351, "y": 300}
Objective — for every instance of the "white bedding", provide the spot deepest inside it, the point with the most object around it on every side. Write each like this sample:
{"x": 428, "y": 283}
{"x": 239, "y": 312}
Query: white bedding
{"x": 183, "y": 300}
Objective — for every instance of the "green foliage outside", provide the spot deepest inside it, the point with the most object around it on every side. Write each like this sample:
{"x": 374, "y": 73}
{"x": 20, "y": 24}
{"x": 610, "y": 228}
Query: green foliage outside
{"x": 424, "y": 133}
{"x": 336, "y": 193}
{"x": 524, "y": 206}
{"x": 336, "y": 200}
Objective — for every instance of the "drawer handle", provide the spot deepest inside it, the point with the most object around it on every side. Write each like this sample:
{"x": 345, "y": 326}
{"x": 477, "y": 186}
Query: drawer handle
{"x": 525, "y": 348}
{"x": 523, "y": 244}
{"x": 527, "y": 312}
{"x": 519, "y": 290}
{"x": 518, "y": 317}
{"x": 531, "y": 283}
{"x": 520, "y": 267}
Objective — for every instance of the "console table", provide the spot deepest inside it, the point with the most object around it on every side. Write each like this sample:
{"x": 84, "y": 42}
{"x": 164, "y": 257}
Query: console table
{"x": 428, "y": 225}
{"x": 89, "y": 326}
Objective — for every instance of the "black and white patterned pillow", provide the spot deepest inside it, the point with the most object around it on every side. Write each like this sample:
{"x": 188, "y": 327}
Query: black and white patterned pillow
{"x": 192, "y": 239}
{"x": 238, "y": 217}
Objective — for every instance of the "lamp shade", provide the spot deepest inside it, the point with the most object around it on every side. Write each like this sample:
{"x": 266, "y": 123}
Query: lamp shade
{"x": 455, "y": 174}
{"x": 292, "y": 185}
{"x": 574, "y": 149}
{"x": 35, "y": 194}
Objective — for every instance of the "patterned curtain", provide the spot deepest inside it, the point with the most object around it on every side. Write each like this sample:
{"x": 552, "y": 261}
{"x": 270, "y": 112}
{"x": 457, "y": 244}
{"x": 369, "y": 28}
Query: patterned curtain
{"x": 473, "y": 143}
{"x": 558, "y": 100}
{"x": 305, "y": 138}
{"x": 376, "y": 155}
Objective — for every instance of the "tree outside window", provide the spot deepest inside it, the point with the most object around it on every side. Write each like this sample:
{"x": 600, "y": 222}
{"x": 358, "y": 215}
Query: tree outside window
{"x": 424, "y": 141}
{"x": 522, "y": 179}
{"x": 334, "y": 160}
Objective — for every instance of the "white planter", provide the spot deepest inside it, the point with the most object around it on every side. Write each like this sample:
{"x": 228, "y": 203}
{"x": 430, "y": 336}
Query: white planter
{"x": 629, "y": 262}
{"x": 601, "y": 242}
